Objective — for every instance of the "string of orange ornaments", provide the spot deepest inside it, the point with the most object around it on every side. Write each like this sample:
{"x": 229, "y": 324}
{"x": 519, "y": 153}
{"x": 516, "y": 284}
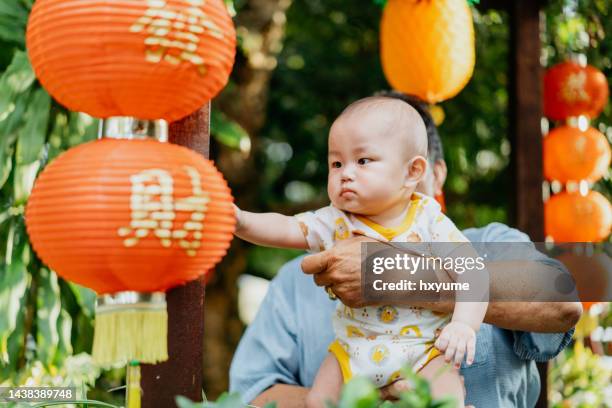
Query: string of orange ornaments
{"x": 577, "y": 155}
{"x": 129, "y": 215}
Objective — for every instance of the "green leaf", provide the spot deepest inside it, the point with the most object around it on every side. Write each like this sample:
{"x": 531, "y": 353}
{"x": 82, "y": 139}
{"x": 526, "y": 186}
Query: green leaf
{"x": 48, "y": 308}
{"x": 85, "y": 297}
{"x": 228, "y": 132}
{"x": 184, "y": 402}
{"x": 23, "y": 181}
{"x": 227, "y": 400}
{"x": 359, "y": 393}
{"x": 13, "y": 20}
{"x": 64, "y": 346}
{"x": 31, "y": 137}
{"x": 5, "y": 167}
{"x": 8, "y": 127}
{"x": 17, "y": 78}
{"x": 14, "y": 281}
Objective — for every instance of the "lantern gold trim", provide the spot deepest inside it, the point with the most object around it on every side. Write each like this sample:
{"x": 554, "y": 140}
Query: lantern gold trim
{"x": 126, "y": 127}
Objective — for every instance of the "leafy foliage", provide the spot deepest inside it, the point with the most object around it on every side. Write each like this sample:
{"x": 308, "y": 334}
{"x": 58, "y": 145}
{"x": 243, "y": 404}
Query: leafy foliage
{"x": 357, "y": 393}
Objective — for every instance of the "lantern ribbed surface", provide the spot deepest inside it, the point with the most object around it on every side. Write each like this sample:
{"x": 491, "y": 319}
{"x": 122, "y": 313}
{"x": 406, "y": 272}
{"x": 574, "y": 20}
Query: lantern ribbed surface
{"x": 153, "y": 59}
{"x": 571, "y": 89}
{"x": 130, "y": 215}
{"x": 573, "y": 155}
{"x": 572, "y": 217}
{"x": 427, "y": 47}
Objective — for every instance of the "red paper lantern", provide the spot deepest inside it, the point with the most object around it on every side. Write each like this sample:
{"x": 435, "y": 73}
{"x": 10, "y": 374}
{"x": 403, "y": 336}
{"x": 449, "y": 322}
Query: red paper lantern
{"x": 130, "y": 219}
{"x": 573, "y": 155}
{"x": 117, "y": 215}
{"x": 572, "y": 217}
{"x": 155, "y": 59}
{"x": 571, "y": 89}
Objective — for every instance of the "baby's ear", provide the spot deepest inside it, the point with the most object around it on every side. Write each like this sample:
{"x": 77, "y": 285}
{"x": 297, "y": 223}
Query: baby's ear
{"x": 417, "y": 167}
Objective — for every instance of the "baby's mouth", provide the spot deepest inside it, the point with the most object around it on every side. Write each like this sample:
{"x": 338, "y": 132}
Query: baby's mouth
{"x": 347, "y": 193}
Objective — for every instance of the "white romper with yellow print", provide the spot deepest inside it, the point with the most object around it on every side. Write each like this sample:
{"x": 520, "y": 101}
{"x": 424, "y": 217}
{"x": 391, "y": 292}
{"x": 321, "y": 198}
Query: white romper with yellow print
{"x": 377, "y": 342}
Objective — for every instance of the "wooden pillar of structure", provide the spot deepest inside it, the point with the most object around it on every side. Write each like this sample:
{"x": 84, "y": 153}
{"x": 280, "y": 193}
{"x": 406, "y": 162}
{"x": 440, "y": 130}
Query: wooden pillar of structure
{"x": 182, "y": 373}
{"x": 525, "y": 127}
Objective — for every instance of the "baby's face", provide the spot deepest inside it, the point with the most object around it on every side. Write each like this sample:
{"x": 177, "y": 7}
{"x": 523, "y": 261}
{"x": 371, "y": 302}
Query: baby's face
{"x": 368, "y": 164}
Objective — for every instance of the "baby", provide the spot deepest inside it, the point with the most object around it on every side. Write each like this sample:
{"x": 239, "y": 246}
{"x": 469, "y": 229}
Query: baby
{"x": 377, "y": 150}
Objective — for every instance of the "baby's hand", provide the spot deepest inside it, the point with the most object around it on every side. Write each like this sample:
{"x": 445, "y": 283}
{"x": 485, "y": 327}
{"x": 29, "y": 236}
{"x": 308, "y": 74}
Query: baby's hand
{"x": 456, "y": 340}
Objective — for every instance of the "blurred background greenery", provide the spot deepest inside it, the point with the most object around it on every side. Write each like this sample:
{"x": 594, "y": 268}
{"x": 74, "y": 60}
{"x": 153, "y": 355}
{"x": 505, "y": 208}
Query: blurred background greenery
{"x": 299, "y": 63}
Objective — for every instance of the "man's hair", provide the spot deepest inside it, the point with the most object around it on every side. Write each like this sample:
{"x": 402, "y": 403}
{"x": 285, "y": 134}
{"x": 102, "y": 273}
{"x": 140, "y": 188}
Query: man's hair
{"x": 434, "y": 143}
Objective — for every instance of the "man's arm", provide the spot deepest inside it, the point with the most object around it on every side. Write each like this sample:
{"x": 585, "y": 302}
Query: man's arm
{"x": 285, "y": 396}
{"x": 340, "y": 268}
{"x": 268, "y": 352}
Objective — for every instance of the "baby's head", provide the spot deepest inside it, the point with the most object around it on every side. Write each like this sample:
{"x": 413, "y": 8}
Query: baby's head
{"x": 377, "y": 151}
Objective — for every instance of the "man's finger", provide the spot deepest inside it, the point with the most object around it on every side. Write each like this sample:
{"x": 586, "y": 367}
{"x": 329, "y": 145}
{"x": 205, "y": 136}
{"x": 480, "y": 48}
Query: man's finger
{"x": 322, "y": 279}
{"x": 315, "y": 263}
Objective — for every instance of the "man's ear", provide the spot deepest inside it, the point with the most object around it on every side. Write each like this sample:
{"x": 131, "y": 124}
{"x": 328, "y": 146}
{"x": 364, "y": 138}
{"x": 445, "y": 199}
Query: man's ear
{"x": 416, "y": 171}
{"x": 439, "y": 174}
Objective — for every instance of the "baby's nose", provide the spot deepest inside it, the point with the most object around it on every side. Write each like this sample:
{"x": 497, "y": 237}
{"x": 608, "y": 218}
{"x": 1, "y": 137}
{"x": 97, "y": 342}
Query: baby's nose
{"x": 348, "y": 173}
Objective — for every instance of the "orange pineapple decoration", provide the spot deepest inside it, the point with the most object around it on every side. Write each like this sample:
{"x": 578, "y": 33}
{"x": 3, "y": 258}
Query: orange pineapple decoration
{"x": 427, "y": 47}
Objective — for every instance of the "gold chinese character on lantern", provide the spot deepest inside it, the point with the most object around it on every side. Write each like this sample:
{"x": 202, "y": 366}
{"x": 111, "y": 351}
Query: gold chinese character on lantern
{"x": 154, "y": 208}
{"x": 573, "y": 90}
{"x": 173, "y": 33}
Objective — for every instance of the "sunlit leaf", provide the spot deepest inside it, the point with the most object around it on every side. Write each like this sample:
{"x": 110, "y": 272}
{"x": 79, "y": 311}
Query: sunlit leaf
{"x": 48, "y": 308}
{"x": 31, "y": 137}
{"x": 14, "y": 280}
{"x": 17, "y": 78}
{"x": 228, "y": 132}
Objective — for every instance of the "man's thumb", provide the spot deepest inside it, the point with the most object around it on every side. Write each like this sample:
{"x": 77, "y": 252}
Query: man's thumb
{"x": 315, "y": 263}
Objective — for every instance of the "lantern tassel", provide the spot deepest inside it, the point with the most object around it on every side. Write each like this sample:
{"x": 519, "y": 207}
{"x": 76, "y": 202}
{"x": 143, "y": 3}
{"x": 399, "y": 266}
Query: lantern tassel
{"x": 131, "y": 326}
{"x": 133, "y": 392}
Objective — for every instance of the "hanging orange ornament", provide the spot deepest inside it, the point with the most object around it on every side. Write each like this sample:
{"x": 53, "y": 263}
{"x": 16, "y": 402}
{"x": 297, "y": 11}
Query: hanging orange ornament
{"x": 571, "y": 89}
{"x": 130, "y": 219}
{"x": 573, "y": 155}
{"x": 153, "y": 59}
{"x": 572, "y": 217}
{"x": 592, "y": 273}
{"x": 427, "y": 47}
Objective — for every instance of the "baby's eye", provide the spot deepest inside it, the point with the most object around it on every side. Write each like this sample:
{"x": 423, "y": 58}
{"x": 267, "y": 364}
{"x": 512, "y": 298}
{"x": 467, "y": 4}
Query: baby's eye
{"x": 363, "y": 161}
{"x": 336, "y": 165}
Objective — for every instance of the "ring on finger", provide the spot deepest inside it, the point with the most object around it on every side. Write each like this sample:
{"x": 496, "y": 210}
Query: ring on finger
{"x": 330, "y": 293}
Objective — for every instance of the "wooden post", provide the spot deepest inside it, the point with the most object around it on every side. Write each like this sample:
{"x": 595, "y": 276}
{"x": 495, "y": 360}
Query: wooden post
{"x": 182, "y": 373}
{"x": 525, "y": 118}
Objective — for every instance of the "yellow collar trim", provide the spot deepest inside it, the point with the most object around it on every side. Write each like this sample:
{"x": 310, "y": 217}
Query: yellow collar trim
{"x": 390, "y": 233}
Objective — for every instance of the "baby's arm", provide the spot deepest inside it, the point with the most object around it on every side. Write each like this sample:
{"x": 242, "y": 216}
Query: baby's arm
{"x": 269, "y": 229}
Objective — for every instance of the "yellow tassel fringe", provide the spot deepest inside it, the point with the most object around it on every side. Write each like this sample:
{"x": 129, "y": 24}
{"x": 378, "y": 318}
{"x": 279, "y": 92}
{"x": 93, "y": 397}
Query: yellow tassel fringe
{"x": 132, "y": 334}
{"x": 133, "y": 386}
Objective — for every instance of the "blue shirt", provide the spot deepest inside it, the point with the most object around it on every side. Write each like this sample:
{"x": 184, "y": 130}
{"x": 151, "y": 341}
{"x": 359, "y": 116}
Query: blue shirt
{"x": 288, "y": 340}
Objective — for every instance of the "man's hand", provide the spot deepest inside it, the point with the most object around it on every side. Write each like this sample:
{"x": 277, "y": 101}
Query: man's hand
{"x": 339, "y": 268}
